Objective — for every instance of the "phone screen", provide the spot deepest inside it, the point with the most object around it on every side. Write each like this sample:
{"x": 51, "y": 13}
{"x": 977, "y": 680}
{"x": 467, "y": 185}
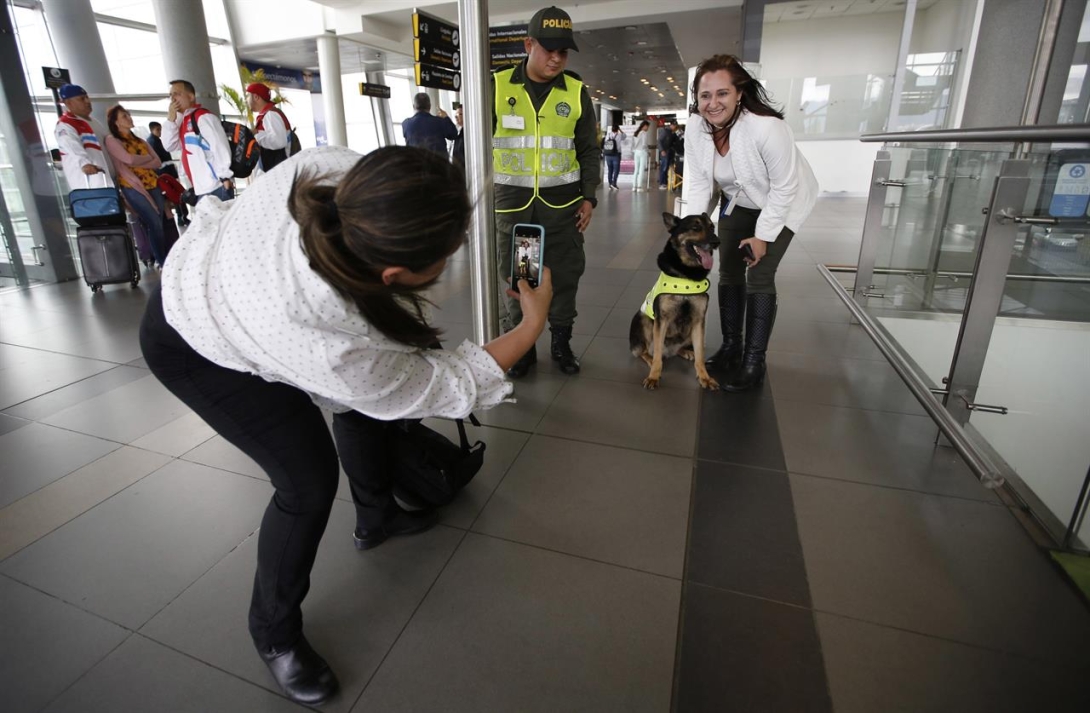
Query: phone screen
{"x": 528, "y": 242}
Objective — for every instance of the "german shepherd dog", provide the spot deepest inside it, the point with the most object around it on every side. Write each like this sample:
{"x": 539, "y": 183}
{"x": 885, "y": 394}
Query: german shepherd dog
{"x": 678, "y": 324}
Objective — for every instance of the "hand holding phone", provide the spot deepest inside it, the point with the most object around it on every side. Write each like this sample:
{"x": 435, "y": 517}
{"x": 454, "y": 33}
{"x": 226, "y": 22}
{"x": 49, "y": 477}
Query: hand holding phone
{"x": 747, "y": 252}
{"x": 527, "y": 253}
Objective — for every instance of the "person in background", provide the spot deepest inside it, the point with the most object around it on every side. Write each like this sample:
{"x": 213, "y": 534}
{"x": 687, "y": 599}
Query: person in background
{"x": 546, "y": 170}
{"x": 639, "y": 153}
{"x": 136, "y": 164}
{"x": 80, "y": 138}
{"x": 458, "y": 150}
{"x": 740, "y": 152}
{"x": 611, "y": 149}
{"x": 206, "y": 158}
{"x": 306, "y": 293}
{"x": 167, "y": 169}
{"x": 426, "y": 131}
{"x": 272, "y": 131}
{"x": 665, "y": 138}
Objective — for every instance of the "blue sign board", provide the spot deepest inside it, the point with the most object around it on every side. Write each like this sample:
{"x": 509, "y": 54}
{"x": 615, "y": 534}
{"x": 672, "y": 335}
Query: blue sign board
{"x": 1071, "y": 197}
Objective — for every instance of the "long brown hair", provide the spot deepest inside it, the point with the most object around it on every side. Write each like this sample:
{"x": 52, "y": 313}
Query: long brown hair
{"x": 397, "y": 207}
{"x": 111, "y": 120}
{"x": 752, "y": 96}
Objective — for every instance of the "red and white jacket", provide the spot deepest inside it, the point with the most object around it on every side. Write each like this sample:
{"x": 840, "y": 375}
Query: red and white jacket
{"x": 80, "y": 141}
{"x": 271, "y": 129}
{"x": 206, "y": 159}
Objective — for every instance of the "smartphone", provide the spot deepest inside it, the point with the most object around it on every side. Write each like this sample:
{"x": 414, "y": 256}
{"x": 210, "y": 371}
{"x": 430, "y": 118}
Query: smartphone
{"x": 747, "y": 251}
{"x": 527, "y": 250}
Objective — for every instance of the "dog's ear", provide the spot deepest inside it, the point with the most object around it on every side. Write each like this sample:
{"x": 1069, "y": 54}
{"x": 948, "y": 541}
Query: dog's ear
{"x": 706, "y": 217}
{"x": 670, "y": 220}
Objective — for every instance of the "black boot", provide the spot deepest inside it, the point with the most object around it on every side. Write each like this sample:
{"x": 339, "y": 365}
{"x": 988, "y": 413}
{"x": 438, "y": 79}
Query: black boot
{"x": 760, "y": 315}
{"x": 301, "y": 673}
{"x": 561, "y": 350}
{"x": 520, "y": 367}
{"x": 732, "y": 315}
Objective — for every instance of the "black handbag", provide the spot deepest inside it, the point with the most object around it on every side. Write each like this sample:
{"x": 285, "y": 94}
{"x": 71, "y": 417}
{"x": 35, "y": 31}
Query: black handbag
{"x": 429, "y": 468}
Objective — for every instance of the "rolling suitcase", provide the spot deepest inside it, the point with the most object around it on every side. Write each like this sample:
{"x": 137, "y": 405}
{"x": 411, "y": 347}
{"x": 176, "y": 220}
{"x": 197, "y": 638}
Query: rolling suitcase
{"x": 97, "y": 207}
{"x": 143, "y": 243}
{"x": 108, "y": 256}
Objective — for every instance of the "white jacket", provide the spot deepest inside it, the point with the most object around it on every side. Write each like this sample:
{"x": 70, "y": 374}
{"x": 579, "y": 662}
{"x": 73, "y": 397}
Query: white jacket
{"x": 208, "y": 156}
{"x": 78, "y": 151}
{"x": 769, "y": 168}
{"x": 273, "y": 134}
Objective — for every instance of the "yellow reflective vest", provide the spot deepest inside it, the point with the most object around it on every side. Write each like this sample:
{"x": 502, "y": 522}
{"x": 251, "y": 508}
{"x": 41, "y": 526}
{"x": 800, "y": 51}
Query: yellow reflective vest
{"x": 670, "y": 285}
{"x": 535, "y": 149}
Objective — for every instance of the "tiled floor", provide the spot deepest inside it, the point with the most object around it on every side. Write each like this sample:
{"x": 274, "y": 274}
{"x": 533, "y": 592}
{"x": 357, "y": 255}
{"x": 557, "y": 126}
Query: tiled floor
{"x": 801, "y": 548}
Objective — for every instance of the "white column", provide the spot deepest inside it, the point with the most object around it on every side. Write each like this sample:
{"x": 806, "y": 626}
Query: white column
{"x": 329, "y": 67}
{"x": 183, "y": 39}
{"x": 79, "y": 48}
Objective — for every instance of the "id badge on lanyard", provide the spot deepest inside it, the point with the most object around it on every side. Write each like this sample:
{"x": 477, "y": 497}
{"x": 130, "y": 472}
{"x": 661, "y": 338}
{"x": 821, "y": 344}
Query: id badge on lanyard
{"x": 726, "y": 205}
{"x": 511, "y": 120}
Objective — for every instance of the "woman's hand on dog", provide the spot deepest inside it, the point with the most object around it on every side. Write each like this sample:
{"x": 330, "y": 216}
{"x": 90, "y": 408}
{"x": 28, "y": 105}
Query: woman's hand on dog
{"x": 759, "y": 248}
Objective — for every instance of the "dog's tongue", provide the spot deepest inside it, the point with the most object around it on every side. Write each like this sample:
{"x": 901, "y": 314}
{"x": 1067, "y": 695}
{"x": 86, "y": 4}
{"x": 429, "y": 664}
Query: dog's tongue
{"x": 706, "y": 258}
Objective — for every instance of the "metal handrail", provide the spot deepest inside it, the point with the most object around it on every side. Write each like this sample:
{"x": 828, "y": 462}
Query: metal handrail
{"x": 1030, "y": 134}
{"x": 990, "y": 475}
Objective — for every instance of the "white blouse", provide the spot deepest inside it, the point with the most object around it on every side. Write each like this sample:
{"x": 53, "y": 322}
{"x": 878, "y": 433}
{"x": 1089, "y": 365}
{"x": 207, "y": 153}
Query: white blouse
{"x": 724, "y": 175}
{"x": 239, "y": 289}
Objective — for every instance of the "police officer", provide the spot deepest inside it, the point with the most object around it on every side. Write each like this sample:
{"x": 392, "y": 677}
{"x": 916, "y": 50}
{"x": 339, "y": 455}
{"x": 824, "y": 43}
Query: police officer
{"x": 546, "y": 170}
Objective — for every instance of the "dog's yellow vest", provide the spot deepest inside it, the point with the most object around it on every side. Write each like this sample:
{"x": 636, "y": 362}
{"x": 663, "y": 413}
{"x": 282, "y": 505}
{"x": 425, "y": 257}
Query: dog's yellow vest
{"x": 668, "y": 285}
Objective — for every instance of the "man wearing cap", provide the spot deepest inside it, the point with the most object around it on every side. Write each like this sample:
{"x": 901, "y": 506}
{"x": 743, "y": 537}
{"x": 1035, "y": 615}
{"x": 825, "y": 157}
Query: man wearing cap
{"x": 80, "y": 138}
{"x": 546, "y": 170}
{"x": 271, "y": 127}
{"x": 206, "y": 154}
{"x": 426, "y": 131}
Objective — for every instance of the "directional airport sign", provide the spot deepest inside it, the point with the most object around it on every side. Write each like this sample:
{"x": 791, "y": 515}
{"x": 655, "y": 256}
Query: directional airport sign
{"x": 438, "y": 55}
{"x": 437, "y": 78}
{"x": 368, "y": 89}
{"x": 507, "y": 45}
{"x": 435, "y": 31}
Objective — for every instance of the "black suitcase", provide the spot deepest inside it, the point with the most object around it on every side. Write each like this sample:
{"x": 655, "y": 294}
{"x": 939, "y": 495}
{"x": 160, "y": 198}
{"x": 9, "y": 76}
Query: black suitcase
{"x": 108, "y": 256}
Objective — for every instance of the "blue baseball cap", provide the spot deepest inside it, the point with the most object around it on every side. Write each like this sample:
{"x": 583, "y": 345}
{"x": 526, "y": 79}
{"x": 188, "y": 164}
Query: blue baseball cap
{"x": 71, "y": 91}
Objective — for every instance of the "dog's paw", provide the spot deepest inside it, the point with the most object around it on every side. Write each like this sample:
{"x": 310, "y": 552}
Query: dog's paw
{"x": 709, "y": 383}
{"x": 687, "y": 354}
{"x": 651, "y": 383}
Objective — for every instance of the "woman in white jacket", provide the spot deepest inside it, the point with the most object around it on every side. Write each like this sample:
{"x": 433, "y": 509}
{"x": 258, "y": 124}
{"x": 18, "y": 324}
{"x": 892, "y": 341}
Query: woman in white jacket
{"x": 639, "y": 153}
{"x": 739, "y": 149}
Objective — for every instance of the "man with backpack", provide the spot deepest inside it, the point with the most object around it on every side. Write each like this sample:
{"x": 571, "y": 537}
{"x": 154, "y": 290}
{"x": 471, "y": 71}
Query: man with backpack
{"x": 271, "y": 128}
{"x": 198, "y": 134}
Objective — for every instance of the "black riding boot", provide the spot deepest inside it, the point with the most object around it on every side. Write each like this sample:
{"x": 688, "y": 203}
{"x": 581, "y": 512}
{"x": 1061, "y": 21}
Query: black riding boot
{"x": 561, "y": 350}
{"x": 732, "y": 316}
{"x": 760, "y": 315}
{"x": 520, "y": 367}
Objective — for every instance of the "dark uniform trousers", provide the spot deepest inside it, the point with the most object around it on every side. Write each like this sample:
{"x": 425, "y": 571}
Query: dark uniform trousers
{"x": 564, "y": 256}
{"x": 735, "y": 228}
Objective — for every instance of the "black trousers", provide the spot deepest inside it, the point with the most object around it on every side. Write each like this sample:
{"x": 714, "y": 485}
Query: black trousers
{"x": 735, "y": 228}
{"x": 285, "y": 433}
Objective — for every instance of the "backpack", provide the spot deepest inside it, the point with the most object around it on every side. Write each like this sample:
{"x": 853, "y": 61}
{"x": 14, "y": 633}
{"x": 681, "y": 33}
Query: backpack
{"x": 270, "y": 158}
{"x": 609, "y": 144}
{"x": 245, "y": 151}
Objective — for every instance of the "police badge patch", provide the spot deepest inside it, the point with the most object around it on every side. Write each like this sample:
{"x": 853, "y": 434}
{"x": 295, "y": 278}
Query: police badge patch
{"x": 563, "y": 109}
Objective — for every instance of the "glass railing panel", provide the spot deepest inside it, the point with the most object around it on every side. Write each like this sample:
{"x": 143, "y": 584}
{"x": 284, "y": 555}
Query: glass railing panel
{"x": 1038, "y": 367}
{"x": 833, "y": 107}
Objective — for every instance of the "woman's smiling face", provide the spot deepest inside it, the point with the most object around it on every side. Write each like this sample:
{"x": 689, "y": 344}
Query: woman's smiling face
{"x": 718, "y": 98}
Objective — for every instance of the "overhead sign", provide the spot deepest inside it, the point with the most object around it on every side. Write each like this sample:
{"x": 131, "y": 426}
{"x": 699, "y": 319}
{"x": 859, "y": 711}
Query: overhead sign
{"x": 55, "y": 77}
{"x": 435, "y": 31}
{"x": 368, "y": 89}
{"x": 1071, "y": 197}
{"x": 438, "y": 78}
{"x": 507, "y": 45}
{"x": 438, "y": 55}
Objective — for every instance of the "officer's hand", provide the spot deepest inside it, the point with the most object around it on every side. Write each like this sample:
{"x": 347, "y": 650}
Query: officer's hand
{"x": 90, "y": 169}
{"x": 582, "y": 216}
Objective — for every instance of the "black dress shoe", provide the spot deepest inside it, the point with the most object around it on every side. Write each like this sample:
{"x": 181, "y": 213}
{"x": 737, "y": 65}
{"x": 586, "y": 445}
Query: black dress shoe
{"x": 302, "y": 674}
{"x": 397, "y": 522}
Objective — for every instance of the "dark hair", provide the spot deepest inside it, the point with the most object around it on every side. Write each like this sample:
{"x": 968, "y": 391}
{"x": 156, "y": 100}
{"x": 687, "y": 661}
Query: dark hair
{"x": 111, "y": 120}
{"x": 616, "y": 128}
{"x": 643, "y": 125}
{"x": 752, "y": 96}
{"x": 397, "y": 207}
{"x": 422, "y": 102}
{"x": 185, "y": 85}
{"x": 152, "y": 126}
